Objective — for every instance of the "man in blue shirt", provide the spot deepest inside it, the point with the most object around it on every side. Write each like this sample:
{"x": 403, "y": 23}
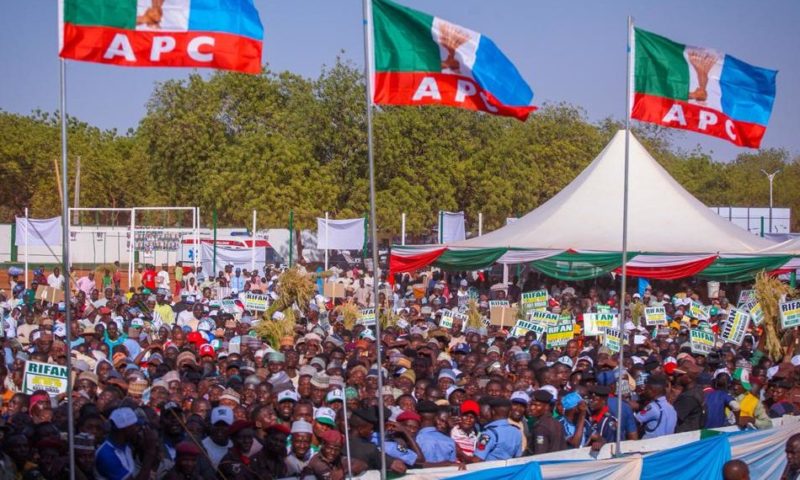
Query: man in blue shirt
{"x": 499, "y": 440}
{"x": 237, "y": 281}
{"x": 114, "y": 459}
{"x": 433, "y": 442}
{"x": 659, "y": 417}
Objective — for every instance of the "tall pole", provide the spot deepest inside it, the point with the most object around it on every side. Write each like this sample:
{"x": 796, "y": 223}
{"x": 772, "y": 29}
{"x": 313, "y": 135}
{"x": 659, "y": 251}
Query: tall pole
{"x": 771, "y": 178}
{"x": 77, "y": 202}
{"x": 27, "y": 227}
{"x": 213, "y": 272}
{"x": 367, "y": 6}
{"x": 326, "y": 241}
{"x": 291, "y": 236}
{"x": 65, "y": 268}
{"x": 480, "y": 224}
{"x": 253, "y": 246}
{"x": 403, "y": 229}
{"x": 132, "y": 259}
{"x": 621, "y": 322}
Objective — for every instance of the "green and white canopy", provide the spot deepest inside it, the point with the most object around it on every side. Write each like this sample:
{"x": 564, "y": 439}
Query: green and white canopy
{"x": 577, "y": 234}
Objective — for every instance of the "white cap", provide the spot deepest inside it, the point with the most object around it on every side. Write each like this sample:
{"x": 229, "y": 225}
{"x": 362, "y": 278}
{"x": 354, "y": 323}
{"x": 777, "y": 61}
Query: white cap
{"x": 551, "y": 390}
{"x": 301, "y": 426}
{"x": 222, "y": 414}
{"x": 288, "y": 395}
{"x": 520, "y": 397}
{"x": 566, "y": 361}
{"x": 123, "y": 418}
{"x": 796, "y": 360}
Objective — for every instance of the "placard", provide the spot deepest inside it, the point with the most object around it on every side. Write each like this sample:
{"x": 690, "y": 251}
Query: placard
{"x": 333, "y": 290}
{"x": 594, "y": 323}
{"x": 524, "y": 326}
{"x": 612, "y": 339}
{"x": 603, "y": 309}
{"x": 503, "y": 316}
{"x": 790, "y": 314}
{"x": 498, "y": 303}
{"x": 228, "y": 305}
{"x": 367, "y": 317}
{"x": 735, "y": 327}
{"x": 44, "y": 376}
{"x": 699, "y": 311}
{"x": 536, "y": 300}
{"x": 701, "y": 342}
{"x": 49, "y": 294}
{"x": 544, "y": 318}
{"x": 255, "y": 302}
{"x": 747, "y": 296}
{"x": 655, "y": 316}
{"x": 447, "y": 319}
{"x": 559, "y": 335}
{"x": 756, "y": 313}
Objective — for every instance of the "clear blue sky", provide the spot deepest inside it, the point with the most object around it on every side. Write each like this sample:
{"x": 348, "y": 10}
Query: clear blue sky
{"x": 568, "y": 50}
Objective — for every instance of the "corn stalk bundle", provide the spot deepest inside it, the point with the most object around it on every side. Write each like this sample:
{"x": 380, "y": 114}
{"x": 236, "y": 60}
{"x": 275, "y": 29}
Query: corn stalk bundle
{"x": 769, "y": 292}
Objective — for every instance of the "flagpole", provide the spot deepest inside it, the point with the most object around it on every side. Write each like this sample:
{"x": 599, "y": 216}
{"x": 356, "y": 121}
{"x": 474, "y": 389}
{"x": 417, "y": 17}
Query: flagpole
{"x": 65, "y": 267}
{"x": 367, "y": 7}
{"x": 27, "y": 227}
{"x": 624, "y": 231}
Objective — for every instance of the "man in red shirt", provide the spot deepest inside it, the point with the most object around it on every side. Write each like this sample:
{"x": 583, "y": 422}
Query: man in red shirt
{"x": 149, "y": 277}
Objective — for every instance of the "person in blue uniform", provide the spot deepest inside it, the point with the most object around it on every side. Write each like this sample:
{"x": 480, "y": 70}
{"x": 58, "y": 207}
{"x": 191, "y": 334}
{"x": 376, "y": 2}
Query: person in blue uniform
{"x": 433, "y": 441}
{"x": 499, "y": 440}
{"x": 659, "y": 417}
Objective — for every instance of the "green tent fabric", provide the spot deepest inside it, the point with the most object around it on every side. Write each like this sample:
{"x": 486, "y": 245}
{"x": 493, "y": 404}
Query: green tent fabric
{"x": 741, "y": 269}
{"x": 472, "y": 259}
{"x": 580, "y": 266}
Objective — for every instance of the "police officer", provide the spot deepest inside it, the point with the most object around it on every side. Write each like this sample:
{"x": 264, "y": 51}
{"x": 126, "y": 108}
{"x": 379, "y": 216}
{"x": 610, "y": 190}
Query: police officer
{"x": 499, "y": 440}
{"x": 604, "y": 423}
{"x": 659, "y": 417}
{"x": 437, "y": 447}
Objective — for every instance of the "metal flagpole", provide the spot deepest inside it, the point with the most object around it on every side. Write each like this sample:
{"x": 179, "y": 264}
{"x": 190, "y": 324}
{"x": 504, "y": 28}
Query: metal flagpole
{"x": 65, "y": 267}
{"x": 326, "y": 241}
{"x": 628, "y": 85}
{"x": 27, "y": 227}
{"x": 253, "y": 246}
{"x": 291, "y": 237}
{"x": 367, "y": 6}
{"x": 403, "y": 229}
{"x": 347, "y": 434}
{"x": 480, "y": 224}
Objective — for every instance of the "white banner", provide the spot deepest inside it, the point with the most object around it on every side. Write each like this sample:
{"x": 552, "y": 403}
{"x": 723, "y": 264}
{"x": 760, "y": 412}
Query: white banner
{"x": 238, "y": 257}
{"x": 454, "y": 227}
{"x": 42, "y": 232}
{"x": 340, "y": 234}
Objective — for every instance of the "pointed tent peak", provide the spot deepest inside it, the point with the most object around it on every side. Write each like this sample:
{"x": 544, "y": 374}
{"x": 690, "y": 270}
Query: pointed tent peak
{"x": 587, "y": 214}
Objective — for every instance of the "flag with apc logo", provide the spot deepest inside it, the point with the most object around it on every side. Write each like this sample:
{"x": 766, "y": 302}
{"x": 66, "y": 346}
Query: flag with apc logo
{"x": 701, "y": 90}
{"x": 221, "y": 34}
{"x": 425, "y": 60}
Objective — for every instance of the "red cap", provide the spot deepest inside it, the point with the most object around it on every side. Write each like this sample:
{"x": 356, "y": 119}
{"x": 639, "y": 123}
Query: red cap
{"x": 196, "y": 338}
{"x": 280, "y": 427}
{"x": 669, "y": 367}
{"x": 207, "y": 350}
{"x": 238, "y": 426}
{"x": 470, "y": 406}
{"x": 409, "y": 415}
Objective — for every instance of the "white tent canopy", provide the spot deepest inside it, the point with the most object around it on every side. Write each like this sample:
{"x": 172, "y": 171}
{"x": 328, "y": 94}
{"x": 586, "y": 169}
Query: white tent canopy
{"x": 587, "y": 214}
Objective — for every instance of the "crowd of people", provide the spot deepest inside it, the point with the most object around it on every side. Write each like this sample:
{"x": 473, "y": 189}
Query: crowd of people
{"x": 168, "y": 384}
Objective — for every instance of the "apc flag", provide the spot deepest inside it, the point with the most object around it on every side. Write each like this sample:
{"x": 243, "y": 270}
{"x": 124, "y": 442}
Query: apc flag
{"x": 701, "y": 90}
{"x": 222, "y": 34}
{"x": 425, "y": 60}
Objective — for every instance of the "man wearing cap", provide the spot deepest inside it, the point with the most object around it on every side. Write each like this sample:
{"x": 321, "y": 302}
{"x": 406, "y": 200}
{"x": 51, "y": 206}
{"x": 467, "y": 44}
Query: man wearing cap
{"x": 574, "y": 420}
{"x": 499, "y": 440}
{"x": 547, "y": 436}
{"x": 516, "y": 416}
{"x": 236, "y": 464}
{"x": 300, "y": 450}
{"x": 659, "y": 417}
{"x": 603, "y": 424}
{"x": 751, "y": 408}
{"x": 217, "y": 443}
{"x": 115, "y": 460}
{"x": 365, "y": 455}
{"x": 285, "y": 402}
{"x": 328, "y": 464}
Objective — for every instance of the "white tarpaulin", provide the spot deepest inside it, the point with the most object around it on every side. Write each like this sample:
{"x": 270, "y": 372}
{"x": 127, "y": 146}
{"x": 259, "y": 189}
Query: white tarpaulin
{"x": 662, "y": 217}
{"x": 42, "y": 232}
{"x": 238, "y": 257}
{"x": 453, "y": 227}
{"x": 340, "y": 234}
